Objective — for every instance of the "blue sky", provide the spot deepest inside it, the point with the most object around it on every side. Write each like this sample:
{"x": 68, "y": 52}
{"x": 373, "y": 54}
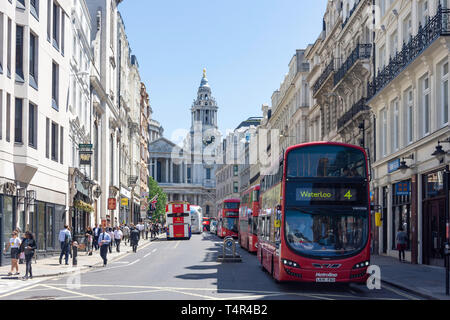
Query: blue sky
{"x": 244, "y": 45}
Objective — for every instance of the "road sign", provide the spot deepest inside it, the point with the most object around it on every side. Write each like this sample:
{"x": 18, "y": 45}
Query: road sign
{"x": 124, "y": 202}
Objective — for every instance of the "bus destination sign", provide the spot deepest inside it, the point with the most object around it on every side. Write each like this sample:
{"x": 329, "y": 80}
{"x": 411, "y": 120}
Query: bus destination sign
{"x": 326, "y": 194}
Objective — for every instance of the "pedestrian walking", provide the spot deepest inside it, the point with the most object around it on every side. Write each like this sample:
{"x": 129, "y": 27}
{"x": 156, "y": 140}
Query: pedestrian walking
{"x": 103, "y": 241}
{"x": 89, "y": 240}
{"x": 14, "y": 243}
{"x": 65, "y": 239}
{"x": 402, "y": 240}
{"x": 118, "y": 235}
{"x": 126, "y": 234}
{"x": 134, "y": 238}
{"x": 111, "y": 235}
{"x": 28, "y": 247}
{"x": 147, "y": 229}
{"x": 97, "y": 230}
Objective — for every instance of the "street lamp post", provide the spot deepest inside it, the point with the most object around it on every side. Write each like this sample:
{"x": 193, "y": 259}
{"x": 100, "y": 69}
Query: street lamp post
{"x": 440, "y": 155}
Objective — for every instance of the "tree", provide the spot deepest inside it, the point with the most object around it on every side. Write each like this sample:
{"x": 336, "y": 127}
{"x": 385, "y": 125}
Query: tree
{"x": 160, "y": 210}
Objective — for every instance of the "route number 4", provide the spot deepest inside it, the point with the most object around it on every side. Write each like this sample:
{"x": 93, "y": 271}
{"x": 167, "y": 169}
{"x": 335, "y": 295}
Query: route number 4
{"x": 348, "y": 195}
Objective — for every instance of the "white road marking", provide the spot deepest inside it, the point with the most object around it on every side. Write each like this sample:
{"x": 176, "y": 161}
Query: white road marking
{"x": 130, "y": 264}
{"x": 72, "y": 292}
{"x": 178, "y": 242}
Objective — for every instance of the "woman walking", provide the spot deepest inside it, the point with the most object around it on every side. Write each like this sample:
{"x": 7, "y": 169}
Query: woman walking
{"x": 89, "y": 240}
{"x": 402, "y": 240}
{"x": 14, "y": 244}
{"x": 28, "y": 247}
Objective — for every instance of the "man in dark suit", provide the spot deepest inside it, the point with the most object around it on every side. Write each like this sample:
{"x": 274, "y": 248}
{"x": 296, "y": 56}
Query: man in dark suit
{"x": 97, "y": 230}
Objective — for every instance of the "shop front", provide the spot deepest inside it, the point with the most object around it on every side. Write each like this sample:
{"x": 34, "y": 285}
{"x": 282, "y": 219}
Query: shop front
{"x": 433, "y": 207}
{"x": 7, "y": 223}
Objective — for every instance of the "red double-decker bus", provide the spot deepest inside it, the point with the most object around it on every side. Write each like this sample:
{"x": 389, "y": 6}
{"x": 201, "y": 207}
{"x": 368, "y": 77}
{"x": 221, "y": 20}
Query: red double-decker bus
{"x": 178, "y": 220}
{"x": 315, "y": 215}
{"x": 228, "y": 218}
{"x": 248, "y": 219}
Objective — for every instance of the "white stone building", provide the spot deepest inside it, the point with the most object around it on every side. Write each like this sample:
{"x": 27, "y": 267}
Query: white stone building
{"x": 410, "y": 98}
{"x": 35, "y": 55}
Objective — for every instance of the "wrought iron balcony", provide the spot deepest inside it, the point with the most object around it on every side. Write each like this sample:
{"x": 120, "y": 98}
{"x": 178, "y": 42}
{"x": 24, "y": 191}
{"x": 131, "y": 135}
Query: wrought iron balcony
{"x": 324, "y": 76}
{"x": 435, "y": 27}
{"x": 358, "y": 107}
{"x": 362, "y": 51}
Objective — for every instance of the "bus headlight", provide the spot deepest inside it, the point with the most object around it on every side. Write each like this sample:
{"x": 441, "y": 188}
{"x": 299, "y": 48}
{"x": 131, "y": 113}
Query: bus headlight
{"x": 361, "y": 265}
{"x": 290, "y": 263}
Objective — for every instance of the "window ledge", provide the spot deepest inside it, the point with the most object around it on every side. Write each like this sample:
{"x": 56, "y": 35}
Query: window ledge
{"x": 55, "y": 105}
{"x": 33, "y": 83}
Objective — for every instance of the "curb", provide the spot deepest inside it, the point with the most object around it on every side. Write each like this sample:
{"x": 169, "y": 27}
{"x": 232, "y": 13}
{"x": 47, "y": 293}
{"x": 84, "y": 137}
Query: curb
{"x": 409, "y": 290}
{"x": 84, "y": 268}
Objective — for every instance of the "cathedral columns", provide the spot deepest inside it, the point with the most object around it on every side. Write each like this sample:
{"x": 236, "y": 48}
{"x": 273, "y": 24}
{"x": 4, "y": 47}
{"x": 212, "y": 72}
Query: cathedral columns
{"x": 167, "y": 171}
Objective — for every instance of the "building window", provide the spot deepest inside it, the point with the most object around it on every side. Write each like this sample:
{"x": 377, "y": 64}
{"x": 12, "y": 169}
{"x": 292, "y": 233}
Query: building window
{"x": 395, "y": 127}
{"x": 426, "y": 106}
{"x": 407, "y": 29}
{"x": 8, "y": 117}
{"x": 20, "y": 4}
{"x": 444, "y": 95}
{"x": 208, "y": 173}
{"x": 61, "y": 145}
{"x": 55, "y": 86}
{"x": 47, "y": 138}
{"x": 56, "y": 26}
{"x": 18, "y": 121}
{"x": 19, "y": 54}
{"x": 54, "y": 142}
{"x": 34, "y": 61}
{"x": 9, "y": 49}
{"x": 409, "y": 116}
{"x": 111, "y": 161}
{"x": 96, "y": 151}
{"x": 384, "y": 132}
{"x": 63, "y": 25}
{"x": 32, "y": 125}
{"x": 34, "y": 8}
{"x": 235, "y": 170}
{"x": 49, "y": 19}
{"x": 235, "y": 187}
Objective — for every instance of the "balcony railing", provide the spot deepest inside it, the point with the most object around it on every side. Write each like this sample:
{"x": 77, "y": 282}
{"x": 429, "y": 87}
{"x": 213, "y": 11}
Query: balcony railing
{"x": 435, "y": 27}
{"x": 324, "y": 76}
{"x": 350, "y": 114}
{"x": 362, "y": 51}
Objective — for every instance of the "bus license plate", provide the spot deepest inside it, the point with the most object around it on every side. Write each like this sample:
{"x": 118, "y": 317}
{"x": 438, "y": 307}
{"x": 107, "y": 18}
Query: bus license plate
{"x": 325, "y": 279}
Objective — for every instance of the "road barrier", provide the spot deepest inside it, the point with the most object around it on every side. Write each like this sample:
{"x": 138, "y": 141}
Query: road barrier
{"x": 229, "y": 243}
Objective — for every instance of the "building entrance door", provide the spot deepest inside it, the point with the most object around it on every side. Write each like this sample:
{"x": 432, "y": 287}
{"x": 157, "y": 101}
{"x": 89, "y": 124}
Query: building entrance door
{"x": 434, "y": 232}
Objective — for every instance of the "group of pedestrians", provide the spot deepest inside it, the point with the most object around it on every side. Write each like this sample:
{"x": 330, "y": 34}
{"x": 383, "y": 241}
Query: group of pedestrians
{"x": 97, "y": 238}
{"x": 21, "y": 249}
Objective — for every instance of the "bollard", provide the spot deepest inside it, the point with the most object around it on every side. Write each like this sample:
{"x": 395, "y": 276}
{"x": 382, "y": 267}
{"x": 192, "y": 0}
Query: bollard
{"x": 74, "y": 253}
{"x": 229, "y": 242}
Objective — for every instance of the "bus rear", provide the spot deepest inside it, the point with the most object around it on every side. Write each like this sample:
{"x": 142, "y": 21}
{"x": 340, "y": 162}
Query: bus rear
{"x": 229, "y": 218}
{"x": 178, "y": 220}
{"x": 196, "y": 219}
{"x": 317, "y": 229}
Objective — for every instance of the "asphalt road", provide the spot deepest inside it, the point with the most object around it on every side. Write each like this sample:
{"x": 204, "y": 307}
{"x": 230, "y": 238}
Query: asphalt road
{"x": 187, "y": 270}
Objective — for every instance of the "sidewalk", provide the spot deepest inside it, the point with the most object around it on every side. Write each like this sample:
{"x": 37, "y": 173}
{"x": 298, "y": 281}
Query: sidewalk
{"x": 49, "y": 267}
{"x": 422, "y": 280}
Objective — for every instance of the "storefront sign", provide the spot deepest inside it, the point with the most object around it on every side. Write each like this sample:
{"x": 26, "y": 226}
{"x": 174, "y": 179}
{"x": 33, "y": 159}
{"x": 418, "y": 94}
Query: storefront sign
{"x": 112, "y": 203}
{"x": 124, "y": 202}
{"x": 393, "y": 165}
{"x": 402, "y": 188}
